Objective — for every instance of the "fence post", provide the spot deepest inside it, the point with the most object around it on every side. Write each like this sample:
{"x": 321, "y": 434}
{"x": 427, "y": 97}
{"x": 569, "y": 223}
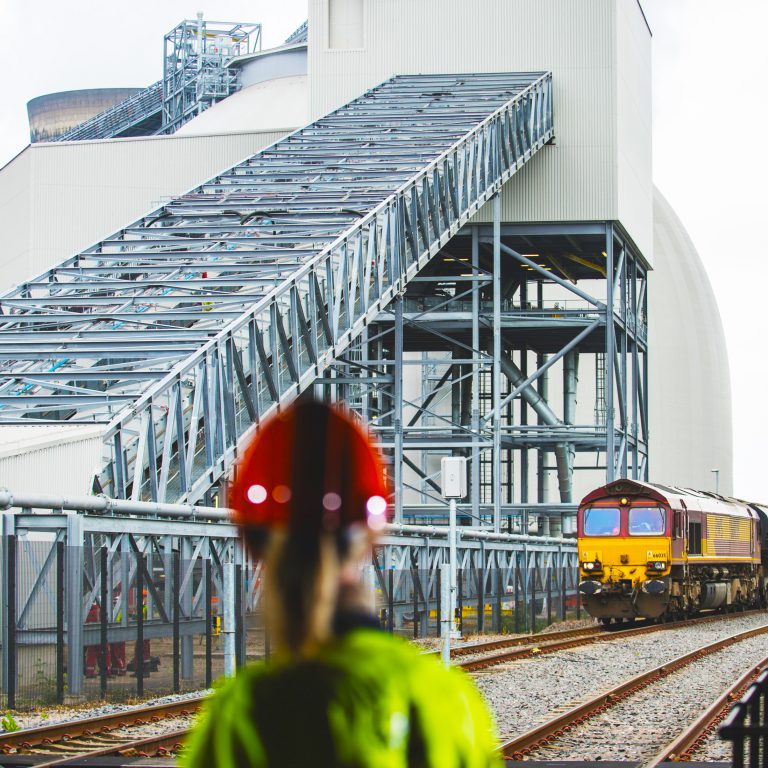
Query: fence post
{"x": 533, "y": 574}
{"x": 228, "y": 617}
{"x": 497, "y": 627}
{"x": 460, "y": 599}
{"x": 138, "y": 656}
{"x": 480, "y": 600}
{"x": 208, "y": 618}
{"x": 517, "y": 597}
{"x": 563, "y": 592}
{"x": 176, "y": 577}
{"x": 415, "y": 589}
{"x": 439, "y": 601}
{"x": 10, "y": 592}
{"x": 578, "y": 594}
{"x": 103, "y": 617}
{"x": 390, "y": 601}
{"x": 550, "y": 571}
{"x": 239, "y": 623}
{"x": 60, "y": 622}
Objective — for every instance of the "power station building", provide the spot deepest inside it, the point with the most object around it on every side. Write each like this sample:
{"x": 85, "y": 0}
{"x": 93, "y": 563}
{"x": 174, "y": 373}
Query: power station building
{"x": 439, "y": 213}
{"x": 557, "y": 332}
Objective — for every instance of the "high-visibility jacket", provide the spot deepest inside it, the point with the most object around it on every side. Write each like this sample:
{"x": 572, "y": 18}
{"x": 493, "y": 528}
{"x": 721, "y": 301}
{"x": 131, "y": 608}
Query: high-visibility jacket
{"x": 366, "y": 700}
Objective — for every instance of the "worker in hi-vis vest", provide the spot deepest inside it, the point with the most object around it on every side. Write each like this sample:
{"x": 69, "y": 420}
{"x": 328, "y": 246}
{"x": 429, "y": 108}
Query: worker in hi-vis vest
{"x": 309, "y": 493}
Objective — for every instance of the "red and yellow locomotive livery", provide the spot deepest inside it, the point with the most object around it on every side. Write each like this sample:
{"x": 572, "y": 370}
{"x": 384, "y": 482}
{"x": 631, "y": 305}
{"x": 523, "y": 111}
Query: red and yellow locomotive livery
{"x": 647, "y": 550}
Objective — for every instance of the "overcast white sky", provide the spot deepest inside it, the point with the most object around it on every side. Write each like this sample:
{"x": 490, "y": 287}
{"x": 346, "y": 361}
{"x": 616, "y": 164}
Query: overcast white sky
{"x": 711, "y": 162}
{"x": 710, "y": 155}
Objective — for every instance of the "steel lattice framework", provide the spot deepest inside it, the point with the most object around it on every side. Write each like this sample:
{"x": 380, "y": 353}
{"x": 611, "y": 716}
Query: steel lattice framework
{"x": 182, "y": 330}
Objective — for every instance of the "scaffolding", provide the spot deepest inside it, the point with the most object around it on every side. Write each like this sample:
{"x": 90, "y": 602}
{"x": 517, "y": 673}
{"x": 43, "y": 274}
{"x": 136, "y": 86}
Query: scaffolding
{"x": 488, "y": 341}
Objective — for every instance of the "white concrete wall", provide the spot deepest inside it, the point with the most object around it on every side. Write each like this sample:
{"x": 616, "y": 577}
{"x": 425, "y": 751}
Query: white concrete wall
{"x": 53, "y": 460}
{"x": 57, "y": 199}
{"x": 597, "y": 50}
{"x": 15, "y": 229}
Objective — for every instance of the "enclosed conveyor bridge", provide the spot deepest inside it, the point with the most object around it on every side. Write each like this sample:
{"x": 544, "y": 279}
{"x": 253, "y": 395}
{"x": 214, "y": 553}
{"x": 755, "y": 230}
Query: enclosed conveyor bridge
{"x": 182, "y": 330}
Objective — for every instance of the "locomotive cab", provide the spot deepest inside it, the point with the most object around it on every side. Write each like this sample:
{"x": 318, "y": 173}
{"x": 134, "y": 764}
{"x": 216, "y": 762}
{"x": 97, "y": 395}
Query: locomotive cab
{"x": 624, "y": 547}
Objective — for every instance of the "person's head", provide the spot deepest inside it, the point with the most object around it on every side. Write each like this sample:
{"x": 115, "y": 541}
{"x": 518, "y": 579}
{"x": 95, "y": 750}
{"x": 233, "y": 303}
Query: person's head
{"x": 309, "y": 493}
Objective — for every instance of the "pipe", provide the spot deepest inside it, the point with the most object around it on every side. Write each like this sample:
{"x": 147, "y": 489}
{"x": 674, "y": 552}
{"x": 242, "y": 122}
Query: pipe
{"x": 105, "y": 505}
{"x": 570, "y": 384}
{"x": 441, "y": 531}
{"x": 563, "y": 451}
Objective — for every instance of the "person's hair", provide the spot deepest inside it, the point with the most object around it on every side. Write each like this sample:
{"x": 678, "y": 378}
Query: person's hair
{"x": 306, "y": 586}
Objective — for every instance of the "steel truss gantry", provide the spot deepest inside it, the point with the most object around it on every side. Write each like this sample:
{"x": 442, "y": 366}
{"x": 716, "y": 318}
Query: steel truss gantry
{"x": 182, "y": 330}
{"x": 140, "y": 540}
{"x": 195, "y": 66}
{"x": 514, "y": 304}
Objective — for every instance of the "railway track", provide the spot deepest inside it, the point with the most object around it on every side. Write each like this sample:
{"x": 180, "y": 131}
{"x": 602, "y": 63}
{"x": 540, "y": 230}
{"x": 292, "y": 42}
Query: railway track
{"x": 534, "y": 645}
{"x": 68, "y": 742}
{"x": 105, "y": 736}
{"x": 546, "y": 734}
{"x": 684, "y": 747}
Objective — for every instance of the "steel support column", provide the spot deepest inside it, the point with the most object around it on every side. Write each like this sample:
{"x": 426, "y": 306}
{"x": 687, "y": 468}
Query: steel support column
{"x": 497, "y": 363}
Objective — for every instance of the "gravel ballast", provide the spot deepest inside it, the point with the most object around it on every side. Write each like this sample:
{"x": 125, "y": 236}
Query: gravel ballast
{"x": 528, "y": 692}
{"x": 639, "y": 726}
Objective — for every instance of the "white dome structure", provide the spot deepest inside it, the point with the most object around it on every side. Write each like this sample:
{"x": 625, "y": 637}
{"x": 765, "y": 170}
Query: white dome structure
{"x": 690, "y": 389}
{"x": 281, "y": 103}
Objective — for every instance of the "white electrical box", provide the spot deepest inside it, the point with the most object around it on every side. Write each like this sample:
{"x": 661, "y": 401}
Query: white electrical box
{"x": 454, "y": 476}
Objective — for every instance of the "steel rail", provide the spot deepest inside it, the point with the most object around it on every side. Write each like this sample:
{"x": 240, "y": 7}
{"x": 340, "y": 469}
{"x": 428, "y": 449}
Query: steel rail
{"x": 684, "y": 746}
{"x": 536, "y": 645}
{"x": 161, "y": 744}
{"x": 526, "y": 743}
{"x": 514, "y": 642}
{"x": 28, "y": 738}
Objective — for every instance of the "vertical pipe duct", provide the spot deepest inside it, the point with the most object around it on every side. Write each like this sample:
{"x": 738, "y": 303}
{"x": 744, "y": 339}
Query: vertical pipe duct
{"x": 563, "y": 452}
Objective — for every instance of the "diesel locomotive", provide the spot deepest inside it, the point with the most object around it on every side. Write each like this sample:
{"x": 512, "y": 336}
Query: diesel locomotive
{"x": 654, "y": 551}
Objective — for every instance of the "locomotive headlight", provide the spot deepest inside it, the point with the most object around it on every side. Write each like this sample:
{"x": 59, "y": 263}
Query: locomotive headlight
{"x": 657, "y": 565}
{"x": 588, "y": 566}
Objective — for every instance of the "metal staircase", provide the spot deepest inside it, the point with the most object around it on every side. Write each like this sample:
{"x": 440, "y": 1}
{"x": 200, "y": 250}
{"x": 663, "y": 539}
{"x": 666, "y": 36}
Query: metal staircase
{"x": 182, "y": 330}
{"x": 138, "y": 115}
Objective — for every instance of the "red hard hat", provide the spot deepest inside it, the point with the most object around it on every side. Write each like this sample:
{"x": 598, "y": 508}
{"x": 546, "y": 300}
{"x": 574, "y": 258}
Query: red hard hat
{"x": 310, "y": 468}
